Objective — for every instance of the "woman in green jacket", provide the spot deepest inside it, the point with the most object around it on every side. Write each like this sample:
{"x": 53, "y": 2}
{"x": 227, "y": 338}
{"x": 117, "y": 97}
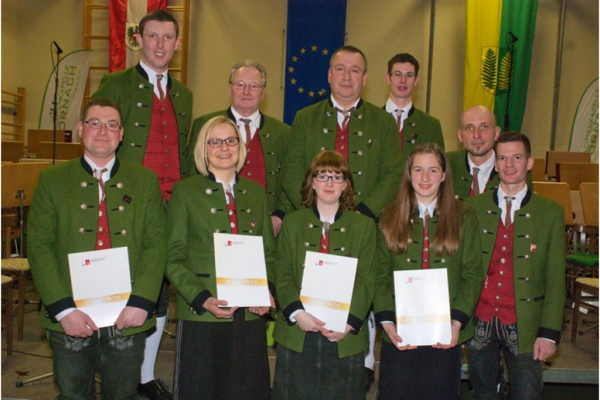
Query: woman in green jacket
{"x": 221, "y": 351}
{"x": 426, "y": 227}
{"x": 312, "y": 361}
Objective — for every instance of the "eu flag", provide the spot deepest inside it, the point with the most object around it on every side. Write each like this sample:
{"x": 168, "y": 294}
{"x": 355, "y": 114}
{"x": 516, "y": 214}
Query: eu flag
{"x": 315, "y": 29}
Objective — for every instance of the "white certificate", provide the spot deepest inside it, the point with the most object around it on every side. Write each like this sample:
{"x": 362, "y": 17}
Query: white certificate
{"x": 101, "y": 283}
{"x": 423, "y": 306}
{"x": 241, "y": 270}
{"x": 327, "y": 287}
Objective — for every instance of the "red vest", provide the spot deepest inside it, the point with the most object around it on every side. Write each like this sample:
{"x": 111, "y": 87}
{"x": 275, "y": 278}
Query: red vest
{"x": 162, "y": 149}
{"x": 498, "y": 294}
{"x": 255, "y": 168}
{"x": 324, "y": 245}
{"x": 233, "y": 222}
{"x": 341, "y": 141}
{"x": 103, "y": 236}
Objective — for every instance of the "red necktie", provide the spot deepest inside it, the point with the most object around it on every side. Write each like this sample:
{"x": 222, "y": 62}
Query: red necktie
{"x": 346, "y": 114}
{"x": 160, "y": 89}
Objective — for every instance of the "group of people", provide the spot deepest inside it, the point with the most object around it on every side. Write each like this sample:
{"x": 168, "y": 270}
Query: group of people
{"x": 348, "y": 178}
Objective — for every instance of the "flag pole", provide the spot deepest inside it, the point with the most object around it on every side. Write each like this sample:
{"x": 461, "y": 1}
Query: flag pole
{"x": 557, "y": 71}
{"x": 430, "y": 60}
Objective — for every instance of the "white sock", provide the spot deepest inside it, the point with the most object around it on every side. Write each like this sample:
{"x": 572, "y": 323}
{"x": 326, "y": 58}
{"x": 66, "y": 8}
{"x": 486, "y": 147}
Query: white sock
{"x": 370, "y": 357}
{"x": 151, "y": 351}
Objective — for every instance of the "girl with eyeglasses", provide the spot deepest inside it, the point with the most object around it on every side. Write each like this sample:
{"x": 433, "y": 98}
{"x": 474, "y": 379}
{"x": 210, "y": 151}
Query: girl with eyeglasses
{"x": 426, "y": 227}
{"x": 221, "y": 351}
{"x": 312, "y": 361}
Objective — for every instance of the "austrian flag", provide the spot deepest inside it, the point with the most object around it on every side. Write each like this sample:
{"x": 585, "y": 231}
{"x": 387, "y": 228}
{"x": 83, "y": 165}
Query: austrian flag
{"x": 124, "y": 17}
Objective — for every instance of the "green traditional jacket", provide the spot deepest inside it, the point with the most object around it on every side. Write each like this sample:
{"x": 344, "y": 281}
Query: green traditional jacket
{"x": 374, "y": 158}
{"x": 465, "y": 273}
{"x": 133, "y": 93}
{"x": 274, "y": 136}
{"x": 462, "y": 178}
{"x": 64, "y": 219}
{"x": 538, "y": 262}
{"x": 420, "y": 127}
{"x": 351, "y": 235}
{"x": 197, "y": 210}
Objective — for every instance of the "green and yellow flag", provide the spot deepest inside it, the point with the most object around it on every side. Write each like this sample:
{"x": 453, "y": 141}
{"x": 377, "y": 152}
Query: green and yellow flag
{"x": 492, "y": 26}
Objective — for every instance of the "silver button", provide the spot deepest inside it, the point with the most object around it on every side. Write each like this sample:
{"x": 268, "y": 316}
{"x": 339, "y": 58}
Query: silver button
{"x": 503, "y": 248}
{"x": 426, "y": 249}
{"x": 527, "y": 279}
{"x": 249, "y": 211}
{"x": 343, "y": 249}
{"x": 100, "y": 213}
{"x": 526, "y": 256}
{"x": 137, "y": 124}
{"x": 527, "y": 215}
{"x": 100, "y": 229}
{"x": 81, "y": 230}
{"x": 496, "y": 309}
{"x": 306, "y": 244}
{"x": 310, "y": 225}
{"x": 359, "y": 116}
{"x": 501, "y": 273}
{"x": 230, "y": 212}
{"x": 529, "y": 300}
{"x": 342, "y": 137}
{"x": 499, "y": 284}
{"x": 443, "y": 261}
{"x": 484, "y": 231}
{"x": 359, "y": 193}
{"x": 141, "y": 85}
{"x": 359, "y": 133}
{"x": 139, "y": 105}
{"x": 83, "y": 206}
{"x": 131, "y": 144}
{"x": 324, "y": 130}
{"x": 209, "y": 191}
{"x": 213, "y": 210}
{"x": 232, "y": 224}
{"x": 498, "y": 297}
{"x": 217, "y": 231}
{"x": 121, "y": 208}
{"x": 83, "y": 184}
{"x": 343, "y": 230}
{"x": 250, "y": 231}
{"x": 489, "y": 211}
{"x": 120, "y": 185}
{"x": 360, "y": 153}
{"x": 502, "y": 260}
{"x": 124, "y": 232}
{"x": 408, "y": 260}
{"x": 359, "y": 173}
{"x": 322, "y": 148}
{"x": 505, "y": 236}
{"x": 100, "y": 243}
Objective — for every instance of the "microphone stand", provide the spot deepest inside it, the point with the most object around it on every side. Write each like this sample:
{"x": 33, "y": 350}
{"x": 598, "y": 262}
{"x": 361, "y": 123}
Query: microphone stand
{"x": 55, "y": 111}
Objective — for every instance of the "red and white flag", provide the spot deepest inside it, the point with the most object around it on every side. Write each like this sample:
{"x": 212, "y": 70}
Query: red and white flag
{"x": 125, "y": 15}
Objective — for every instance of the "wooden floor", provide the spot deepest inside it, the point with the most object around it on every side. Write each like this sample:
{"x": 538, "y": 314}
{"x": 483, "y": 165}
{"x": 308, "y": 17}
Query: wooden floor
{"x": 572, "y": 375}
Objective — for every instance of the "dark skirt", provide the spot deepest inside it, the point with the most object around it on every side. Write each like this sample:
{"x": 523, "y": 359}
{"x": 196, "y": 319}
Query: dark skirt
{"x": 318, "y": 372}
{"x": 222, "y": 360}
{"x": 424, "y": 373}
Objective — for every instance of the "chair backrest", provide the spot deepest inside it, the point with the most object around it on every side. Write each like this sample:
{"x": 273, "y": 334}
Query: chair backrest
{"x": 12, "y": 150}
{"x": 574, "y": 173}
{"x": 64, "y": 151}
{"x": 20, "y": 176}
{"x": 35, "y": 136}
{"x": 560, "y": 193}
{"x": 589, "y": 202}
{"x": 556, "y": 157}
{"x": 538, "y": 173}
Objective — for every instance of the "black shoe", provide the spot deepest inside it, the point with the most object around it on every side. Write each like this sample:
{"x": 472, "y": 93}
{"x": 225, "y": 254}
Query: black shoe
{"x": 369, "y": 378}
{"x": 154, "y": 390}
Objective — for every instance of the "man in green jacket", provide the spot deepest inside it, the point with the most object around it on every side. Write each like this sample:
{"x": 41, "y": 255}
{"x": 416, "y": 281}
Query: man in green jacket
{"x": 478, "y": 132}
{"x": 414, "y": 126}
{"x": 266, "y": 138}
{"x": 92, "y": 203}
{"x": 157, "y": 111}
{"x": 521, "y": 306}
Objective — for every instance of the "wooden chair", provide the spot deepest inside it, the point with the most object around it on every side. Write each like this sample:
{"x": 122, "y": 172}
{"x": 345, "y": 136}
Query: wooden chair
{"x": 7, "y": 283}
{"x": 18, "y": 270}
{"x": 590, "y": 286}
{"x": 589, "y": 202}
{"x": 64, "y": 151}
{"x": 538, "y": 172}
{"x": 556, "y": 157}
{"x": 12, "y": 150}
{"x": 560, "y": 193}
{"x": 576, "y": 173}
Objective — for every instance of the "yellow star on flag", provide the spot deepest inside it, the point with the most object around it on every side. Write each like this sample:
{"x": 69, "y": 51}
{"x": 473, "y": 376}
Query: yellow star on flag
{"x": 314, "y": 48}
{"x": 291, "y": 69}
{"x": 293, "y": 81}
{"x": 325, "y": 52}
{"x": 322, "y": 92}
{"x": 294, "y": 59}
{"x": 302, "y": 51}
{"x": 311, "y": 94}
{"x": 301, "y": 90}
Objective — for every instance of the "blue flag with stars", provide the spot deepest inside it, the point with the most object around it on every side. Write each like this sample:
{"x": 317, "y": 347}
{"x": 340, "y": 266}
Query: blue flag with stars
{"x": 315, "y": 29}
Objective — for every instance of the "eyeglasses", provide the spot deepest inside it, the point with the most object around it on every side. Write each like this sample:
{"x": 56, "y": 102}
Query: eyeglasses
{"x": 96, "y": 124}
{"x": 400, "y": 75}
{"x": 254, "y": 87}
{"x": 334, "y": 178}
{"x": 216, "y": 143}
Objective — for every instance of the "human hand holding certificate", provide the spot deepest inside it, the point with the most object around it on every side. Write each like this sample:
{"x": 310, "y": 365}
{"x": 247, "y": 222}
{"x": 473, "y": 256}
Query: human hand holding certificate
{"x": 327, "y": 287}
{"x": 422, "y": 307}
{"x": 241, "y": 270}
{"x": 101, "y": 283}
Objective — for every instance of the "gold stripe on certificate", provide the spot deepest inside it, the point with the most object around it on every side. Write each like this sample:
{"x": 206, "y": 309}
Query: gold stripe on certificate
{"x": 241, "y": 282}
{"x": 325, "y": 303}
{"x": 112, "y": 298}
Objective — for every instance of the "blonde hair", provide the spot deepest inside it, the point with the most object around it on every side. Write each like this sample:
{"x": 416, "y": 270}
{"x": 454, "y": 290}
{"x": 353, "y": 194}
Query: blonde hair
{"x": 200, "y": 156}
{"x": 328, "y": 161}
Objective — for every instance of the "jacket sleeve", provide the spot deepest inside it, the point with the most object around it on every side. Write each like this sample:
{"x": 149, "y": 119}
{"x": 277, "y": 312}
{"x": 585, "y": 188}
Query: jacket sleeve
{"x": 471, "y": 272}
{"x": 50, "y": 280}
{"x": 384, "y": 304}
{"x": 188, "y": 285}
{"x": 390, "y": 168}
{"x": 269, "y": 249}
{"x": 288, "y": 290}
{"x": 552, "y": 313}
{"x": 294, "y": 168}
{"x": 151, "y": 267}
